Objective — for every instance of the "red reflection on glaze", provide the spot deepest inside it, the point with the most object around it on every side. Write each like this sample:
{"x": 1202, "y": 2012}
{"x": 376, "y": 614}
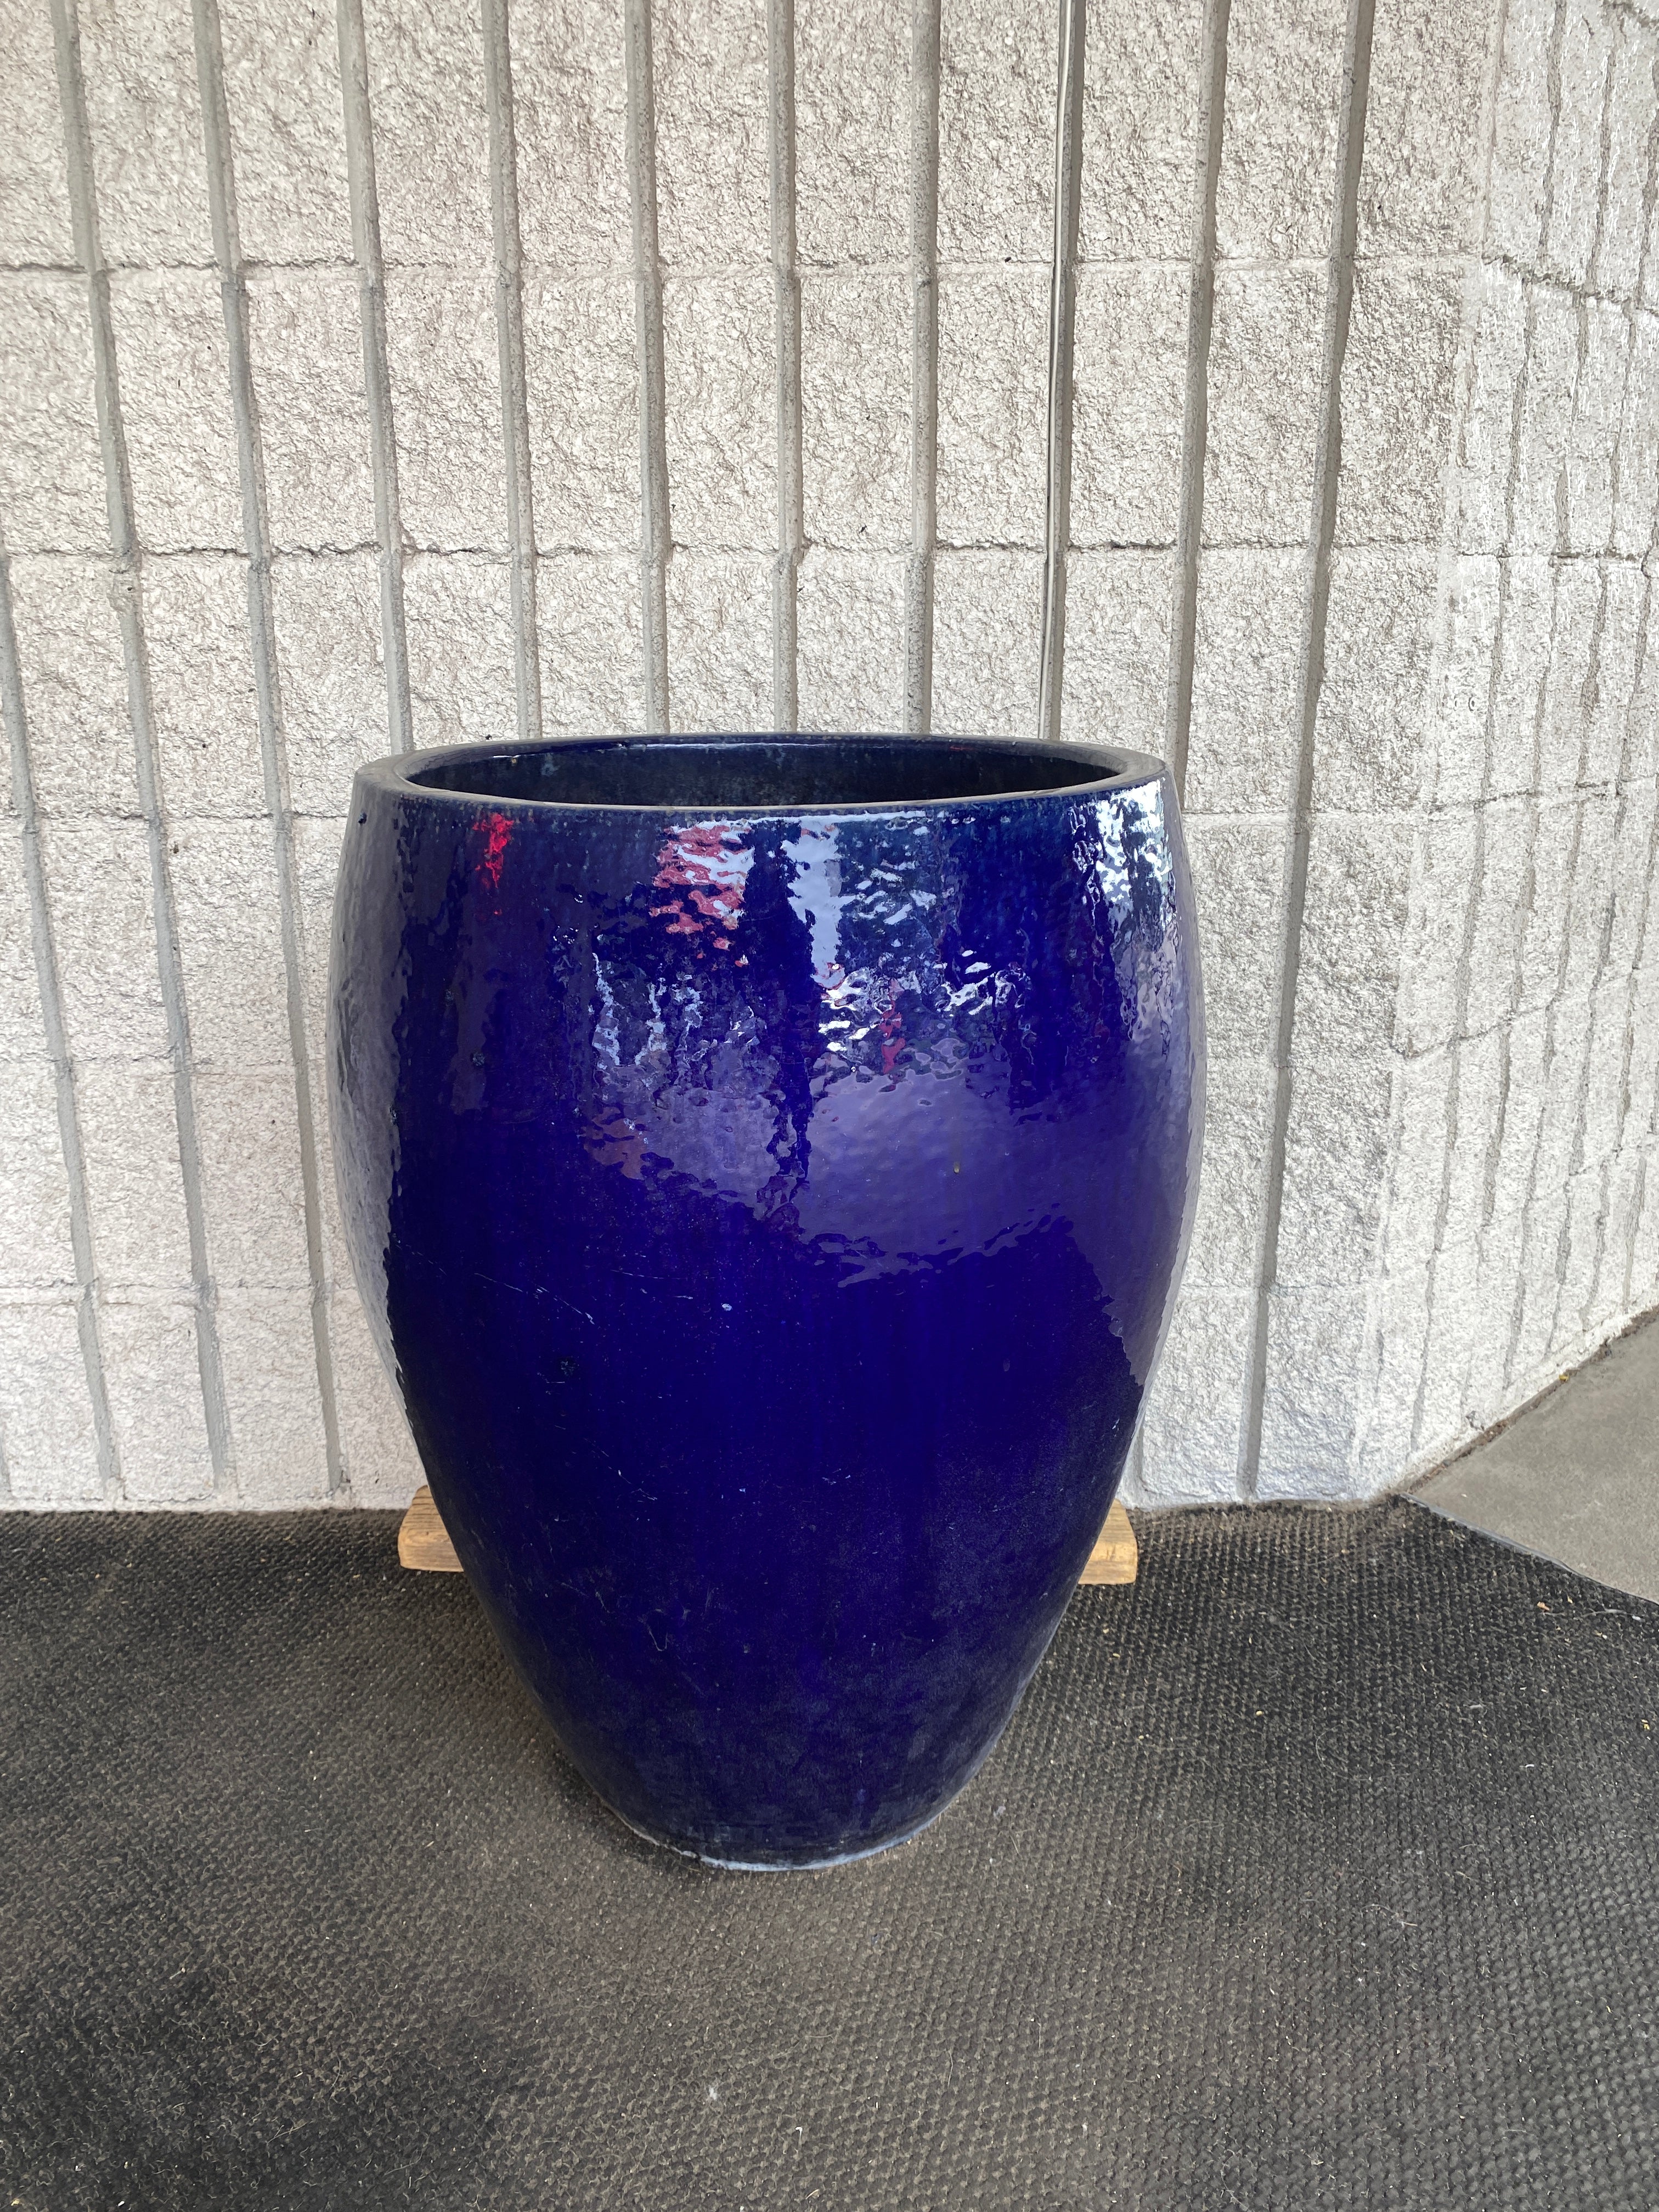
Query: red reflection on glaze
{"x": 704, "y": 865}
{"x": 499, "y": 827}
{"x": 892, "y": 1031}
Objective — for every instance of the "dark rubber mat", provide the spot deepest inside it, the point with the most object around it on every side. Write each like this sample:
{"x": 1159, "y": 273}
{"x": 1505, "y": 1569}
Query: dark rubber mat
{"x": 1317, "y": 1870}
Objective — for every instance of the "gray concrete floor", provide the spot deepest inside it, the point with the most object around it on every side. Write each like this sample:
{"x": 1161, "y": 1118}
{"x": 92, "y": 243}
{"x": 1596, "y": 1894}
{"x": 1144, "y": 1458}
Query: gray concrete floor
{"x": 1577, "y": 1476}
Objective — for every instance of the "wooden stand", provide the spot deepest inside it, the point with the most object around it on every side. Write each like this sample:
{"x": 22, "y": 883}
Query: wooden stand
{"x": 423, "y": 1543}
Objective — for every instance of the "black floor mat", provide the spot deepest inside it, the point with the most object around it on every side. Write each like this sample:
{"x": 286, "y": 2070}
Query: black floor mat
{"x": 1317, "y": 1870}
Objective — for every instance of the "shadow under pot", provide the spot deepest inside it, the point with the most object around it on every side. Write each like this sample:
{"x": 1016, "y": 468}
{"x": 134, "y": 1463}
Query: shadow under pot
{"x": 766, "y": 1164}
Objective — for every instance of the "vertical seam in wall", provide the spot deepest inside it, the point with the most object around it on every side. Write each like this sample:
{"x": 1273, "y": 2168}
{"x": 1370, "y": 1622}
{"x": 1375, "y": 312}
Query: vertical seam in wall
{"x": 1195, "y": 410}
{"x": 267, "y": 692}
{"x": 1062, "y": 329}
{"x": 1328, "y": 462}
{"x": 129, "y": 598}
{"x": 654, "y": 519}
{"x": 509, "y": 335}
{"x": 924, "y": 366}
{"x": 364, "y": 194}
{"x": 57, "y": 1040}
{"x": 786, "y": 340}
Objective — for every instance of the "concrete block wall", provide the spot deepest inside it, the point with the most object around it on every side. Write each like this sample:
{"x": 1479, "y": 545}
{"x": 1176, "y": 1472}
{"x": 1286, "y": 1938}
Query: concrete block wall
{"x": 1270, "y": 384}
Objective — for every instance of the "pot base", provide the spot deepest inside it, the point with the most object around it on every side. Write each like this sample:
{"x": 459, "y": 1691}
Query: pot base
{"x": 783, "y": 1866}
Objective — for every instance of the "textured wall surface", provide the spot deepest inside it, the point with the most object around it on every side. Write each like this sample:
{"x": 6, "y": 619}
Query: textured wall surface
{"x": 1273, "y": 386}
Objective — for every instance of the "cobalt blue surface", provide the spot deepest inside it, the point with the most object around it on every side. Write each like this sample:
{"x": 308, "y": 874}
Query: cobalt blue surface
{"x": 767, "y": 1164}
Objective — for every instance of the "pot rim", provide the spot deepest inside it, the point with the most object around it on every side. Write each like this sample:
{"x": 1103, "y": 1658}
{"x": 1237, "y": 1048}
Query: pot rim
{"x": 1117, "y": 767}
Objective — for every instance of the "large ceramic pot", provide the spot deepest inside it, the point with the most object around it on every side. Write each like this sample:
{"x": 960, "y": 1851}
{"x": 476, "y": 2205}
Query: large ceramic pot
{"x": 768, "y": 1163}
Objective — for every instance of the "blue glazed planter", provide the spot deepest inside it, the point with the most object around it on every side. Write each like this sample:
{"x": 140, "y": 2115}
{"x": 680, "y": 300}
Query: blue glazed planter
{"x": 768, "y": 1163}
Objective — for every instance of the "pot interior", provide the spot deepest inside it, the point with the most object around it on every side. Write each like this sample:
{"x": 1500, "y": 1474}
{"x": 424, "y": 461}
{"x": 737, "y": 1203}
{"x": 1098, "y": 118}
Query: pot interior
{"x": 765, "y": 771}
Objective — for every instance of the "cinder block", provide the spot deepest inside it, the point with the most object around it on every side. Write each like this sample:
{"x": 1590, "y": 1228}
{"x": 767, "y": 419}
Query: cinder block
{"x": 1445, "y": 869}
{"x": 996, "y": 131}
{"x": 1237, "y": 880}
{"x": 1635, "y": 490}
{"x": 1336, "y": 1153}
{"x": 720, "y": 641}
{"x": 722, "y": 417}
{"x": 46, "y": 1406}
{"x": 1427, "y": 1101}
{"x": 1593, "y": 441}
{"x": 381, "y": 1462}
{"x": 1634, "y": 859}
{"x": 570, "y": 123}
{"x": 98, "y": 885}
{"x": 1575, "y": 631}
{"x": 714, "y": 157}
{"x": 850, "y": 616}
{"x": 35, "y": 1251}
{"x": 1398, "y": 379}
{"x": 1315, "y": 1345}
{"x": 1252, "y": 617}
{"x": 1379, "y": 649}
{"x": 1140, "y": 129}
{"x": 1642, "y": 731}
{"x": 443, "y": 358}
{"x": 1481, "y": 1068}
{"x": 22, "y": 1025}
{"x": 1543, "y": 919}
{"x": 1484, "y": 448}
{"x": 51, "y": 469}
{"x": 1445, "y": 1423}
{"x": 316, "y": 869}
{"x": 1130, "y": 390}
{"x": 203, "y": 706}
{"x": 128, "y": 1119}
{"x": 588, "y": 612}
{"x": 987, "y": 641}
{"x": 175, "y": 403}
{"x": 287, "y": 132}
{"x": 1391, "y": 1372}
{"x": 1521, "y": 134}
{"x": 1644, "y": 1279}
{"x": 855, "y": 409}
{"x": 1195, "y": 1408}
{"x": 993, "y": 408}
{"x": 1533, "y": 1362}
{"x": 1116, "y": 688}
{"x": 144, "y": 118}
{"x": 1265, "y": 346}
{"x": 252, "y": 1187}
{"x": 1237, "y": 1121}
{"x": 1607, "y": 734}
{"x": 305, "y": 337}
{"x": 74, "y": 685}
{"x": 1526, "y": 1043}
{"x": 582, "y": 379}
{"x": 1541, "y": 495}
{"x": 852, "y": 131}
{"x": 1617, "y": 267}
{"x": 35, "y": 209}
{"x": 1589, "y": 914}
{"x": 1278, "y": 183}
{"x": 1460, "y": 682}
{"x": 1569, "y": 1049}
{"x": 152, "y": 1371}
{"x": 272, "y": 1396}
{"x": 431, "y": 132}
{"x": 1575, "y": 152}
{"x": 332, "y": 668}
{"x": 458, "y": 619}
{"x": 230, "y": 945}
{"x": 1494, "y": 952}
{"x": 1352, "y": 934}
{"x": 1419, "y": 185}
{"x": 1641, "y": 1105}
{"x": 1526, "y": 629}
{"x": 1600, "y": 1110}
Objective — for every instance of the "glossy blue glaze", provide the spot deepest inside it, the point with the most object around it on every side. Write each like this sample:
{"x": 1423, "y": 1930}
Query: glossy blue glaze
{"x": 769, "y": 1196}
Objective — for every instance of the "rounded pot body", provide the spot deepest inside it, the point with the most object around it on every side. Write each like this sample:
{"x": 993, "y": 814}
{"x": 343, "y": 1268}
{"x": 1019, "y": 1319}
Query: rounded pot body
{"x": 766, "y": 1164}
